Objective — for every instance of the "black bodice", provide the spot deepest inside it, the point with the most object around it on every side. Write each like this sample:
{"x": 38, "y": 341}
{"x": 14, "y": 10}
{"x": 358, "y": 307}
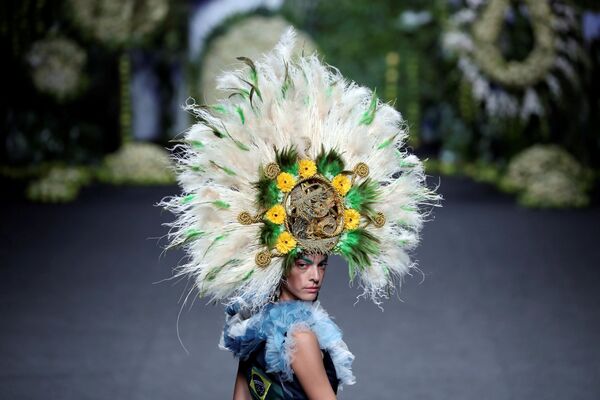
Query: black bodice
{"x": 271, "y": 386}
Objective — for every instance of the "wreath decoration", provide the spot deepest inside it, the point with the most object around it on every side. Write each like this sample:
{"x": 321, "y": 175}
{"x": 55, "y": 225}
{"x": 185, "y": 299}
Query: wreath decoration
{"x": 509, "y": 88}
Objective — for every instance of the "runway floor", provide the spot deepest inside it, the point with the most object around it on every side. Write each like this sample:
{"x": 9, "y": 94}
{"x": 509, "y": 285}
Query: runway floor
{"x": 508, "y": 306}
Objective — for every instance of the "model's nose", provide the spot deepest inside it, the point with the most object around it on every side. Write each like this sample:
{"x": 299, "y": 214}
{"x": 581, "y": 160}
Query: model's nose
{"x": 314, "y": 273}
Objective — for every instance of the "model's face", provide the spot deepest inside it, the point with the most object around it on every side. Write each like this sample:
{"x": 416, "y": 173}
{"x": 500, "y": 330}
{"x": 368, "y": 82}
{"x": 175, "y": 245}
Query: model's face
{"x": 305, "y": 278}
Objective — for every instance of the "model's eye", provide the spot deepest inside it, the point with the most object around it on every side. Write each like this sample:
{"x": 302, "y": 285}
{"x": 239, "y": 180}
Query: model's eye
{"x": 301, "y": 265}
{"x": 323, "y": 266}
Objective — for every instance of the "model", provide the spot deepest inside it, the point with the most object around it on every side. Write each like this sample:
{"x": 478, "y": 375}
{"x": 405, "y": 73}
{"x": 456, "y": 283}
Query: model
{"x": 294, "y": 164}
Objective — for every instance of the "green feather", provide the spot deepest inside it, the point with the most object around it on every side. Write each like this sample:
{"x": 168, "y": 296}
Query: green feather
{"x": 239, "y": 92}
{"x": 386, "y": 270}
{"x": 253, "y": 77}
{"x": 242, "y": 146}
{"x": 248, "y": 275}
{"x": 212, "y": 274}
{"x": 197, "y": 144}
{"x": 287, "y": 82}
{"x": 369, "y": 115}
{"x": 362, "y": 197}
{"x": 215, "y": 241}
{"x": 287, "y": 159}
{"x": 329, "y": 91}
{"x": 386, "y": 142}
{"x": 267, "y": 192}
{"x": 228, "y": 171}
{"x": 329, "y": 163}
{"x": 239, "y": 144}
{"x": 188, "y": 198}
{"x": 217, "y": 132}
{"x": 197, "y": 168}
{"x": 269, "y": 233}
{"x": 193, "y": 233}
{"x": 240, "y": 112}
{"x": 219, "y": 108}
{"x": 357, "y": 247}
{"x": 223, "y": 205}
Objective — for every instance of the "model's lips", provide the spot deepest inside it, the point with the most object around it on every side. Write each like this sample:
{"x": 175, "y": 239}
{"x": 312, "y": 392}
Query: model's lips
{"x": 312, "y": 289}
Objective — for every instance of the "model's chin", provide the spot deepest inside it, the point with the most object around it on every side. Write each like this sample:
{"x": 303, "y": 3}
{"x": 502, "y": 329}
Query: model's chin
{"x": 309, "y": 296}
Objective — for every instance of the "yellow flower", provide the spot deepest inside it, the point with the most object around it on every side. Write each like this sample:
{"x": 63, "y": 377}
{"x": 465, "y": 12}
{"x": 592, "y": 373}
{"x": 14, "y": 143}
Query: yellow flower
{"x": 307, "y": 168}
{"x": 341, "y": 183}
{"x": 285, "y": 182}
{"x": 285, "y": 242}
{"x": 351, "y": 219}
{"x": 276, "y": 214}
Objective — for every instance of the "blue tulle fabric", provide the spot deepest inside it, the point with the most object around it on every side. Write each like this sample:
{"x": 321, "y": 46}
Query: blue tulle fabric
{"x": 275, "y": 324}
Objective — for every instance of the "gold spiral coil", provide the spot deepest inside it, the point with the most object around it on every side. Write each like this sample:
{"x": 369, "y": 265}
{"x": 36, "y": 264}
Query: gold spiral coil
{"x": 361, "y": 169}
{"x": 263, "y": 258}
{"x": 272, "y": 170}
{"x": 379, "y": 220}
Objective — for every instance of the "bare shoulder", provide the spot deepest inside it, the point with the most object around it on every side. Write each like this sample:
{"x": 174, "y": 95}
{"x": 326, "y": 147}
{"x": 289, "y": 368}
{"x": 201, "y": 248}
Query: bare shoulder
{"x": 306, "y": 340}
{"x": 307, "y": 352}
{"x": 307, "y": 363}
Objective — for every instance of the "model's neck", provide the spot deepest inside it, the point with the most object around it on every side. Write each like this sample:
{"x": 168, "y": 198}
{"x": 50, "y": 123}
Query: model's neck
{"x": 286, "y": 295}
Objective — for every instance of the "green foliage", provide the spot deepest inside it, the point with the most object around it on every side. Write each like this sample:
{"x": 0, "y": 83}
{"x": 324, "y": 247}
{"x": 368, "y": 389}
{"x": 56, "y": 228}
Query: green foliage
{"x": 329, "y": 163}
{"x": 362, "y": 197}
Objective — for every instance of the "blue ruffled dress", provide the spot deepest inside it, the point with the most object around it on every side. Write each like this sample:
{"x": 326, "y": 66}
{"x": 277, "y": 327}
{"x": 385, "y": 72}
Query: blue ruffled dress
{"x": 264, "y": 344}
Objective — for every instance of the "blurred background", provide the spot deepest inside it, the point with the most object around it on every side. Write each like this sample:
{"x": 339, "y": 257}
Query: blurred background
{"x": 501, "y": 99}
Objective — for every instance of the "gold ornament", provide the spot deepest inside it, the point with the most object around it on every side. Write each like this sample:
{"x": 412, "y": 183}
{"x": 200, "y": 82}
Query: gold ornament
{"x": 245, "y": 218}
{"x": 263, "y": 258}
{"x": 379, "y": 220}
{"x": 314, "y": 214}
{"x": 272, "y": 170}
{"x": 361, "y": 169}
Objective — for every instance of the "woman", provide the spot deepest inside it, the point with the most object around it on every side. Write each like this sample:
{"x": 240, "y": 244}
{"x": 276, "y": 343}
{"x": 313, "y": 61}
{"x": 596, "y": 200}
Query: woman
{"x": 313, "y": 371}
{"x": 295, "y": 163}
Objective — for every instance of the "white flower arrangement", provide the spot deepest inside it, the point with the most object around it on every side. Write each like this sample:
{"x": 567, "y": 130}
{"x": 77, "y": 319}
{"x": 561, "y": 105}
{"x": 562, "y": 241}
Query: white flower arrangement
{"x": 137, "y": 163}
{"x": 547, "y": 176}
{"x": 56, "y": 66}
{"x": 117, "y": 22}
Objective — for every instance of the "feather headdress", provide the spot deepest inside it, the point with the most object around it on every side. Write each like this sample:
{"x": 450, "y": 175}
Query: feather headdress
{"x": 295, "y": 159}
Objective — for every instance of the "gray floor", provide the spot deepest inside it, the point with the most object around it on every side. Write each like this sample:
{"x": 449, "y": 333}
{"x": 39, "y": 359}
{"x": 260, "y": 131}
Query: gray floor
{"x": 509, "y": 307}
